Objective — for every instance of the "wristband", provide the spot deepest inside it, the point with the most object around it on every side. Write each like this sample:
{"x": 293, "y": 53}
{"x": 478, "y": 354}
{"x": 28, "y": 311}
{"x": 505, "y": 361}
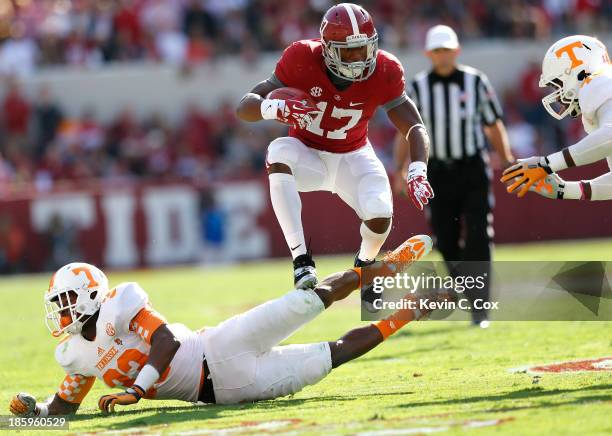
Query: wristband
{"x": 269, "y": 108}
{"x": 137, "y": 391}
{"x": 417, "y": 168}
{"x": 146, "y": 377}
{"x": 557, "y": 161}
{"x": 585, "y": 190}
{"x": 42, "y": 410}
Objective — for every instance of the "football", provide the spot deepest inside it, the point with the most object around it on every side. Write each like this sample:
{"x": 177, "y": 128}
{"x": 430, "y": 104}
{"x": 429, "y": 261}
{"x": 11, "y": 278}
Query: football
{"x": 288, "y": 93}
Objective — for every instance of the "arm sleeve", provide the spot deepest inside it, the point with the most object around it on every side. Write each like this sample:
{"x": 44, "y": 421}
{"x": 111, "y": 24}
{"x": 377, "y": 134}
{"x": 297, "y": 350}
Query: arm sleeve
{"x": 130, "y": 300}
{"x": 275, "y": 81}
{"x": 395, "y": 89}
{"x": 601, "y": 187}
{"x": 595, "y": 146}
{"x": 75, "y": 387}
{"x": 290, "y": 64}
{"x": 413, "y": 94}
{"x": 488, "y": 104}
{"x": 146, "y": 322}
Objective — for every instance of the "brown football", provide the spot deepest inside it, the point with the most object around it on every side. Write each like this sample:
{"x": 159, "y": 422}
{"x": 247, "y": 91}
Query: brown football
{"x": 288, "y": 93}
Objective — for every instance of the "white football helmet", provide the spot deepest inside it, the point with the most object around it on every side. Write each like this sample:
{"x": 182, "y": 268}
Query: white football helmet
{"x": 75, "y": 293}
{"x": 567, "y": 63}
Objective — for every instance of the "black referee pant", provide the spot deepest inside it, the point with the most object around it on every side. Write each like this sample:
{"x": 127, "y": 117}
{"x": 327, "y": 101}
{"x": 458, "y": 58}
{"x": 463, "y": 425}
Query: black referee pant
{"x": 460, "y": 210}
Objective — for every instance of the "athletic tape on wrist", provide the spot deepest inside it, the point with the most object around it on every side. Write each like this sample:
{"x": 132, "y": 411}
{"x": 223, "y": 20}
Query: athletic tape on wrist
{"x": 43, "y": 410}
{"x": 417, "y": 168}
{"x": 146, "y": 377}
{"x": 269, "y": 108}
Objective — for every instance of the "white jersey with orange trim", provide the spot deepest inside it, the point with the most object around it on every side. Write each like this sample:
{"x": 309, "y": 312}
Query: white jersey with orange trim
{"x": 595, "y": 98}
{"x": 596, "y": 90}
{"x": 121, "y": 349}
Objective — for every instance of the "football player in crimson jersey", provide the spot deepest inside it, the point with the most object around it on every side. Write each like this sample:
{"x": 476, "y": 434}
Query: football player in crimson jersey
{"x": 328, "y": 149}
{"x": 116, "y": 336}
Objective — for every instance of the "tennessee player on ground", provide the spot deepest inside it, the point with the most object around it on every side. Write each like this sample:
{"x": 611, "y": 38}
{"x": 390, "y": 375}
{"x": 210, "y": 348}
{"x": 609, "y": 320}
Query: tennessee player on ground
{"x": 116, "y": 336}
{"x": 578, "y": 69}
{"x": 328, "y": 149}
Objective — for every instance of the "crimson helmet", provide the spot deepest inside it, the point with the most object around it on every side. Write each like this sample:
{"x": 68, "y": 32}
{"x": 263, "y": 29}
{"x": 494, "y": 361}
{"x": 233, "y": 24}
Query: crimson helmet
{"x": 347, "y": 25}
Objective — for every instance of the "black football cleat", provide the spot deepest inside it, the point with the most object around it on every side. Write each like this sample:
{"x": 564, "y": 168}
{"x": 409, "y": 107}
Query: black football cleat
{"x": 304, "y": 272}
{"x": 368, "y": 296}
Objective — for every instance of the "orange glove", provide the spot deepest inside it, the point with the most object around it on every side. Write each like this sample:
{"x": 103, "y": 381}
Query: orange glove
{"x": 132, "y": 395}
{"x": 23, "y": 404}
{"x": 525, "y": 173}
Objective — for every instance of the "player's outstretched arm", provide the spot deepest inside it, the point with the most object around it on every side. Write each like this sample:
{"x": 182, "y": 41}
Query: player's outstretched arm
{"x": 150, "y": 325}
{"x": 554, "y": 187}
{"x": 411, "y": 153}
{"x": 594, "y": 147}
{"x": 25, "y": 405}
{"x": 249, "y": 108}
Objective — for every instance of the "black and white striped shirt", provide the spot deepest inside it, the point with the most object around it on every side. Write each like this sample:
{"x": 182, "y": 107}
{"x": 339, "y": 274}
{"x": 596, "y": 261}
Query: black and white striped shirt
{"x": 454, "y": 109}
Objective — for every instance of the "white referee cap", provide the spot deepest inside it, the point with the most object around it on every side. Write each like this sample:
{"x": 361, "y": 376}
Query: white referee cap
{"x": 441, "y": 36}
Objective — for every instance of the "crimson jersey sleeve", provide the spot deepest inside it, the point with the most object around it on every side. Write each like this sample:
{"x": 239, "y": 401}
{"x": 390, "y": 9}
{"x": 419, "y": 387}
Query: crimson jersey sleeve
{"x": 292, "y": 64}
{"x": 394, "y": 82}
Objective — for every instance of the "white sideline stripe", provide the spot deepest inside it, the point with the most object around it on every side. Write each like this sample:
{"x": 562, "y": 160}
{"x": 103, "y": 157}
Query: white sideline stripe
{"x": 352, "y": 17}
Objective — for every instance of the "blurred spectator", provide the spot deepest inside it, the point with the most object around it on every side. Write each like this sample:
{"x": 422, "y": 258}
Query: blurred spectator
{"x": 15, "y": 111}
{"x": 46, "y": 118}
{"x": 213, "y": 221}
{"x": 18, "y": 53}
{"x": 61, "y": 237}
{"x": 87, "y": 33}
{"x": 12, "y": 246}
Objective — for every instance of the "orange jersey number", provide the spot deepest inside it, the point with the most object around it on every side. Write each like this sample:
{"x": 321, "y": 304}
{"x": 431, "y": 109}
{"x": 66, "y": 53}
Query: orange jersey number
{"x": 131, "y": 361}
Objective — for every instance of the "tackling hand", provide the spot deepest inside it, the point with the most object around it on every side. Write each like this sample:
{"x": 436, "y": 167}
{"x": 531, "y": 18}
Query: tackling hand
{"x": 132, "y": 395}
{"x": 525, "y": 173}
{"x": 23, "y": 404}
{"x": 419, "y": 190}
{"x": 551, "y": 186}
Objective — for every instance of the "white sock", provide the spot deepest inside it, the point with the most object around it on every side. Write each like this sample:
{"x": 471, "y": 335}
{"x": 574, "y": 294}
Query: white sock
{"x": 371, "y": 242}
{"x": 288, "y": 209}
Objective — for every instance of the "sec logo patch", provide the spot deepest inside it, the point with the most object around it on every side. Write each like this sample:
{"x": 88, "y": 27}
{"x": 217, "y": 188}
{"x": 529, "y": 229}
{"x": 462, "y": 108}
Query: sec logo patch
{"x": 110, "y": 330}
{"x": 316, "y": 91}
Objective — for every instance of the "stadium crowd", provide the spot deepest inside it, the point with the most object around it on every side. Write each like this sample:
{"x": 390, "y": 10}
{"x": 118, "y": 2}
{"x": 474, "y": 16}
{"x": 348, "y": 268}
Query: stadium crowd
{"x": 90, "y": 33}
{"x": 40, "y": 146}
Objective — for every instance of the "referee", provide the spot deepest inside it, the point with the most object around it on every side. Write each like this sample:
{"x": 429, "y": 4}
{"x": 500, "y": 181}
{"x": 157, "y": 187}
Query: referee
{"x": 459, "y": 108}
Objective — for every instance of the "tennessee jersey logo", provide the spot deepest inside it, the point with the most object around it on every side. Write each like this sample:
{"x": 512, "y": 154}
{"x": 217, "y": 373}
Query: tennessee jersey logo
{"x": 316, "y": 91}
{"x": 110, "y": 330}
{"x": 106, "y": 358}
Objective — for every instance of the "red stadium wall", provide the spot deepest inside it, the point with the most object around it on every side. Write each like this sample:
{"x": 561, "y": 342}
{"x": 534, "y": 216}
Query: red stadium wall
{"x": 147, "y": 225}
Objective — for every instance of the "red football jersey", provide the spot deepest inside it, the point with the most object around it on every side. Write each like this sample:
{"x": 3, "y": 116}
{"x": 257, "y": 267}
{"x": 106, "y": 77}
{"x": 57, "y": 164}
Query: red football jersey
{"x": 343, "y": 124}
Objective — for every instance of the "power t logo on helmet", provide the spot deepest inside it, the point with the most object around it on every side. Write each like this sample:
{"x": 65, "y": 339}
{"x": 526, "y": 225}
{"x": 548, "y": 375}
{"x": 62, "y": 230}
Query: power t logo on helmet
{"x": 348, "y": 26}
{"x": 567, "y": 65}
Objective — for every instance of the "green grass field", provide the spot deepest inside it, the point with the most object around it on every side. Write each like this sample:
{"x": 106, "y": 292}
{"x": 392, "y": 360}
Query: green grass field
{"x": 431, "y": 377}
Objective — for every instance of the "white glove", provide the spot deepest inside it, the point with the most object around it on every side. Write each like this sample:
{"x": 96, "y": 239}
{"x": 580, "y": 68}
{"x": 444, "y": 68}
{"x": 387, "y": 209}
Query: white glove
{"x": 552, "y": 186}
{"x": 419, "y": 190}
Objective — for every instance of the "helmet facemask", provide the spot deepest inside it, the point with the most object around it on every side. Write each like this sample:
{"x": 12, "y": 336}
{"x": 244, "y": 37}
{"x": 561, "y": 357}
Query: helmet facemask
{"x": 352, "y": 71}
{"x": 563, "y": 101}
